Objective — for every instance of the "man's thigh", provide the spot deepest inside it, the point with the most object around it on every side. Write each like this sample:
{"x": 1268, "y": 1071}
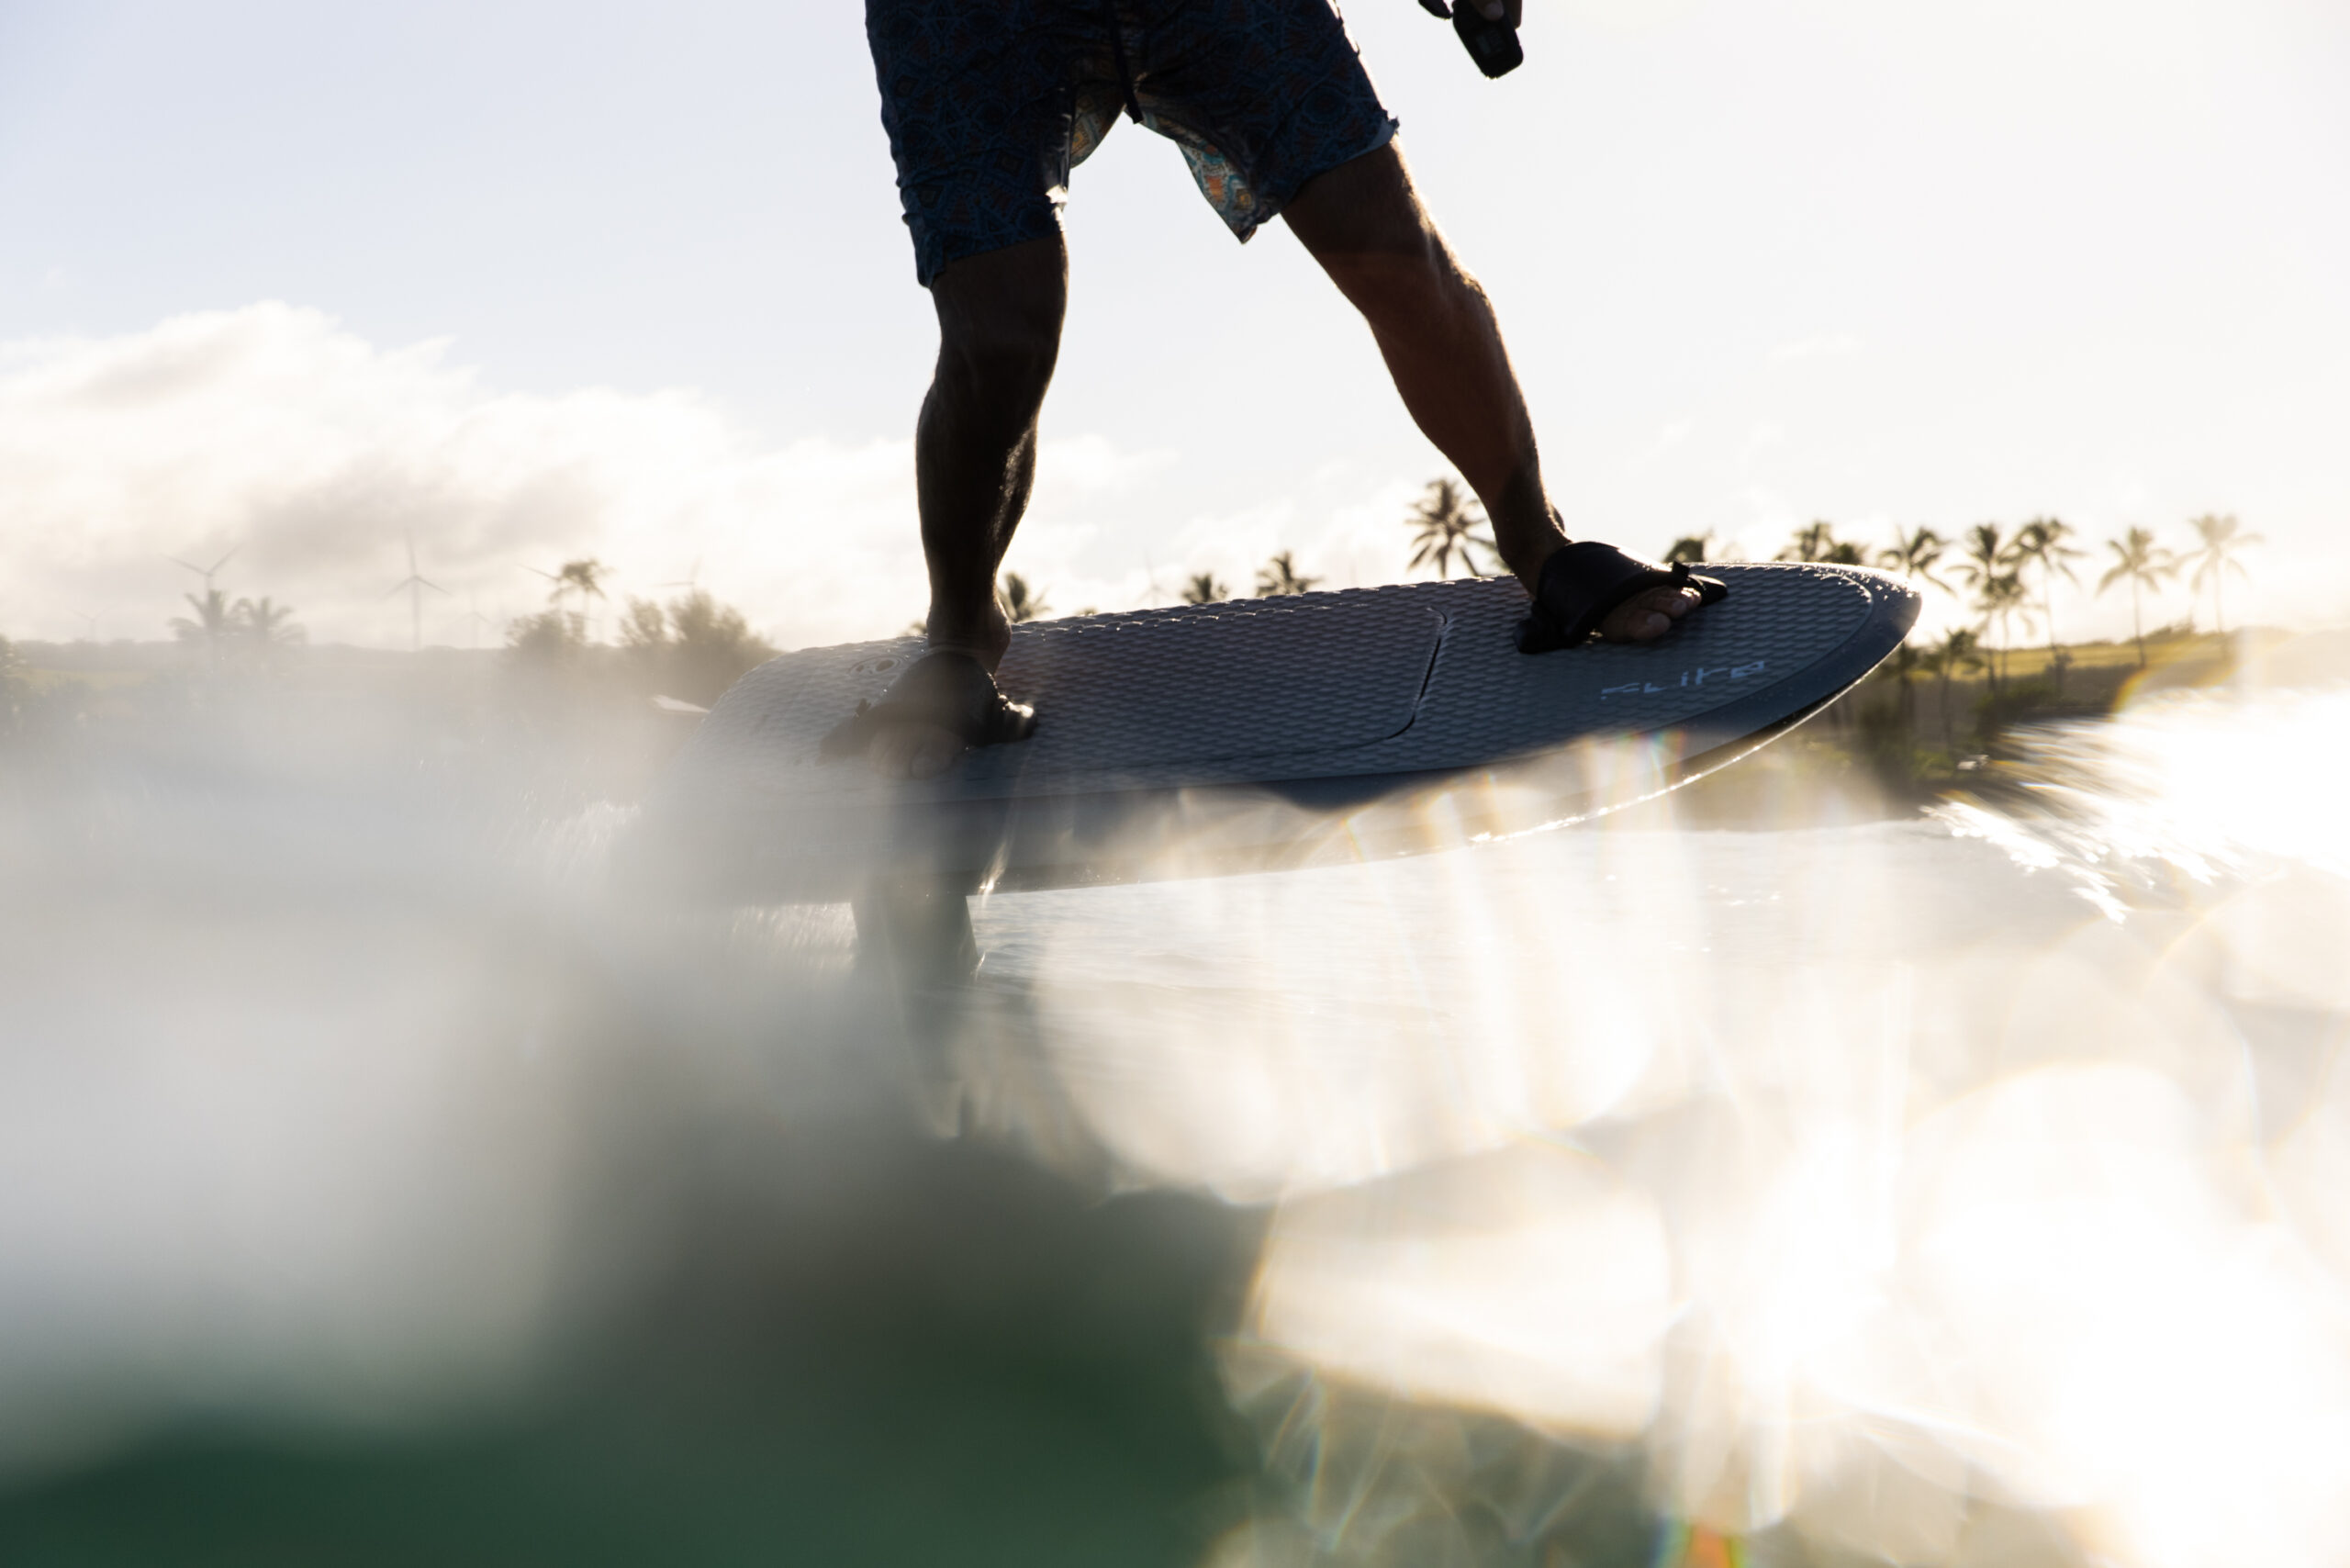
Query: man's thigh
{"x": 980, "y": 99}
{"x": 1367, "y": 206}
{"x": 1263, "y": 96}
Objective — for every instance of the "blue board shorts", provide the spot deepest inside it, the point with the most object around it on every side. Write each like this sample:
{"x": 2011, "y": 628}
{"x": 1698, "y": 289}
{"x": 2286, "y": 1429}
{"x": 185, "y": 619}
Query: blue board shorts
{"x": 989, "y": 104}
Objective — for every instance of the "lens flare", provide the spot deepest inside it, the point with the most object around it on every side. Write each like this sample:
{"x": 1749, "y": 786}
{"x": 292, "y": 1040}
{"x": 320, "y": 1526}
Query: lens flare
{"x": 1880, "y": 1186}
{"x": 1947, "y": 1190}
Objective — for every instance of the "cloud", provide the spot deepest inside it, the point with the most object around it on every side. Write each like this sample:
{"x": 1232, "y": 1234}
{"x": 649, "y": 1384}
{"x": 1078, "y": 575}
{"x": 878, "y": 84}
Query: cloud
{"x": 1762, "y": 438}
{"x": 316, "y": 455}
{"x": 1664, "y": 441}
{"x": 1351, "y": 538}
{"x": 1770, "y": 517}
{"x": 1829, "y": 346}
{"x": 1090, "y": 464}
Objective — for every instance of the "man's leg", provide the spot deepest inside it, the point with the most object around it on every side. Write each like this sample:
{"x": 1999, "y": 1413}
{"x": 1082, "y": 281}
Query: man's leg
{"x": 1365, "y": 224}
{"x": 975, "y": 457}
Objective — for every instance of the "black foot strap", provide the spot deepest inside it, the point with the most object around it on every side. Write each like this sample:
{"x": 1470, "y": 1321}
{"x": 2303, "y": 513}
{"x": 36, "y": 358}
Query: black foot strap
{"x": 948, "y": 692}
{"x": 1584, "y": 583}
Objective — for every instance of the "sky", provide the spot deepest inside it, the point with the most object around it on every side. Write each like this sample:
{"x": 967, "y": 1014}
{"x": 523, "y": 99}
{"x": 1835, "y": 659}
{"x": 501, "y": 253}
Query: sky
{"x": 520, "y": 282}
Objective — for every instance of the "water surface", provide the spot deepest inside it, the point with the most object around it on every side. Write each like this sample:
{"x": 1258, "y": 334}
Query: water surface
{"x": 1962, "y": 1188}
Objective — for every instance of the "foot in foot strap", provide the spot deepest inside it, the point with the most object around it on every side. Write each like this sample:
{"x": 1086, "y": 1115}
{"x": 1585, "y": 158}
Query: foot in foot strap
{"x": 1584, "y": 583}
{"x": 943, "y": 703}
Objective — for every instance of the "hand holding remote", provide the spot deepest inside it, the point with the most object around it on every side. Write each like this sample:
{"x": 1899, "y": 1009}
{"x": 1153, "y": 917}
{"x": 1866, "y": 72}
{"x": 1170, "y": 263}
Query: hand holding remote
{"x": 1491, "y": 40}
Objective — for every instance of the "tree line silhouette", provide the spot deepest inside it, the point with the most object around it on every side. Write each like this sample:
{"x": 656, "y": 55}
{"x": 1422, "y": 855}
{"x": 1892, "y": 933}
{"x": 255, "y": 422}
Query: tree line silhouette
{"x": 692, "y": 645}
{"x": 2004, "y": 577}
{"x": 1999, "y": 570}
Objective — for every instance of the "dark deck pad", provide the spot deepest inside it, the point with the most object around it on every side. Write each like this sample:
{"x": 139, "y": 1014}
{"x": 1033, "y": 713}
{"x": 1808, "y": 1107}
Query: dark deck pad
{"x": 1257, "y": 733}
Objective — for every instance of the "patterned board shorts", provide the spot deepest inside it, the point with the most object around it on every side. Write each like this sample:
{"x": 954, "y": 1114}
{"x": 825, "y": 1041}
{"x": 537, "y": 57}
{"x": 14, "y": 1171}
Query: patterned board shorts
{"x": 989, "y": 104}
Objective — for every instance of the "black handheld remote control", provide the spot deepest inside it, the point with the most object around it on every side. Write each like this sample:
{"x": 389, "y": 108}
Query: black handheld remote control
{"x": 1492, "y": 43}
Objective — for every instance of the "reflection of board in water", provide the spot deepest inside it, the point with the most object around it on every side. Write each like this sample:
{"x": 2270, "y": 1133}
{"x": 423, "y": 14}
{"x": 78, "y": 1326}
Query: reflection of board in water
{"x": 1259, "y": 732}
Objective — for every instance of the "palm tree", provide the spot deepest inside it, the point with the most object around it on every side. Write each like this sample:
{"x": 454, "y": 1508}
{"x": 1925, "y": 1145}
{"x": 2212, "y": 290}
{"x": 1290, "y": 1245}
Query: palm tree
{"x": 552, "y": 637}
{"x": 1817, "y": 542}
{"x": 1987, "y": 557}
{"x": 2002, "y": 598}
{"x": 584, "y": 577}
{"x": 1959, "y": 649}
{"x": 1915, "y": 554}
{"x": 2046, "y": 544}
{"x": 2214, "y": 557}
{"x": 1279, "y": 577}
{"x": 215, "y": 619}
{"x": 1022, "y": 603}
{"x": 266, "y": 624}
{"x": 1908, "y": 660}
{"x": 1693, "y": 548}
{"x": 2142, "y": 564}
{"x": 1446, "y": 520}
{"x": 1204, "y": 590}
{"x": 711, "y": 646}
{"x": 644, "y": 626}
{"x": 1988, "y": 554}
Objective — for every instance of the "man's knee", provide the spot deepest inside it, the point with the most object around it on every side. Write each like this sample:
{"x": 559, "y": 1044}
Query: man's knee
{"x": 1365, "y": 223}
{"x": 1407, "y": 282}
{"x": 1367, "y": 206}
{"x": 1000, "y": 316}
{"x": 1009, "y": 356}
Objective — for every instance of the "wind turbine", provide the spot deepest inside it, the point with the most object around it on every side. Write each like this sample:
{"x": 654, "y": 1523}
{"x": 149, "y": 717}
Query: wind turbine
{"x": 88, "y": 615}
{"x": 583, "y": 576}
{"x": 692, "y": 580}
{"x": 475, "y": 620}
{"x": 415, "y": 583}
{"x": 556, "y": 597}
{"x": 204, "y": 572}
{"x": 209, "y": 608}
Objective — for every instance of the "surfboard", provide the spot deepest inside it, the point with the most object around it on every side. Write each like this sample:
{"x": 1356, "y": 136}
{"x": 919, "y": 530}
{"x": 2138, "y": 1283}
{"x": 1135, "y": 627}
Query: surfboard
{"x": 1257, "y": 733}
